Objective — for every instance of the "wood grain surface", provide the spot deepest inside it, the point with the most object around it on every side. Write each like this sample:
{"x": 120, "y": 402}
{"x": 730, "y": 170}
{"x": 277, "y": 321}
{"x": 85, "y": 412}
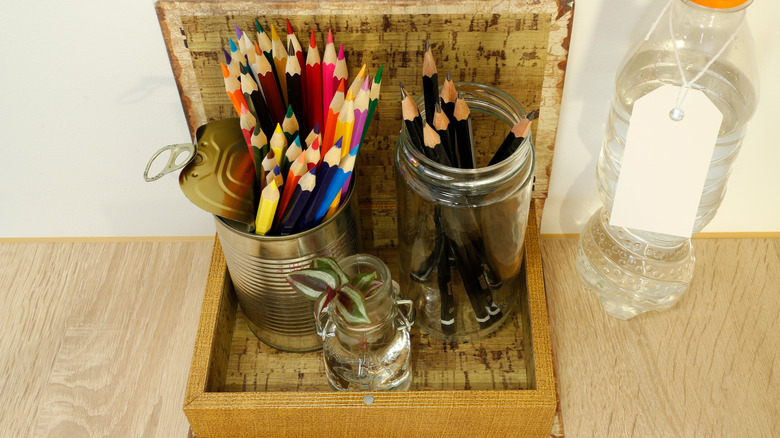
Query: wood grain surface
{"x": 96, "y": 338}
{"x": 707, "y": 367}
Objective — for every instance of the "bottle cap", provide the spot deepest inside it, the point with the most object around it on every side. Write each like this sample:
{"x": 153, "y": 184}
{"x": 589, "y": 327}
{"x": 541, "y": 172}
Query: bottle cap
{"x": 721, "y": 4}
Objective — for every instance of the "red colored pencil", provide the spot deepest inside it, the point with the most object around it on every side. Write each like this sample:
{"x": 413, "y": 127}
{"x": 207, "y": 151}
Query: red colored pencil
{"x": 329, "y": 59}
{"x": 314, "y": 84}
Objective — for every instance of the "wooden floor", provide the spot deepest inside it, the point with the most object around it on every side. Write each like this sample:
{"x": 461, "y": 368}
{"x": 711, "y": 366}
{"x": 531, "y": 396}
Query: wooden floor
{"x": 96, "y": 341}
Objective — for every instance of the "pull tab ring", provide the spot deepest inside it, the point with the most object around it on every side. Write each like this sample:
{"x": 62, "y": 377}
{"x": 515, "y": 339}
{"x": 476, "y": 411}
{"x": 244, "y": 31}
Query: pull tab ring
{"x": 171, "y": 166}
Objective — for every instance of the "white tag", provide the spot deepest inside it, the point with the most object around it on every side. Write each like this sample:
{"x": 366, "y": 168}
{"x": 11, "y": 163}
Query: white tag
{"x": 665, "y": 162}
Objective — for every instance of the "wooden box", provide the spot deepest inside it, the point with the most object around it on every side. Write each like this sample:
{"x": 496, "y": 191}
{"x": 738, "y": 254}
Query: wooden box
{"x": 502, "y": 385}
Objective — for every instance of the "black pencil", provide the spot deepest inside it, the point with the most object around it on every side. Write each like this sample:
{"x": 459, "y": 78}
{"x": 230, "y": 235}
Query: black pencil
{"x": 430, "y": 80}
{"x": 444, "y": 281}
{"x": 433, "y": 146}
{"x": 512, "y": 141}
{"x": 441, "y": 123}
{"x": 295, "y": 87}
{"x": 412, "y": 119}
{"x": 448, "y": 96}
{"x": 256, "y": 103}
{"x": 464, "y": 135}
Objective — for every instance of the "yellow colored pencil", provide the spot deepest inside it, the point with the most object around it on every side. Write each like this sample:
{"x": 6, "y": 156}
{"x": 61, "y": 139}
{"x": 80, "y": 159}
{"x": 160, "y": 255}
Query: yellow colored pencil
{"x": 345, "y": 123}
{"x": 278, "y": 142}
{"x": 269, "y": 199}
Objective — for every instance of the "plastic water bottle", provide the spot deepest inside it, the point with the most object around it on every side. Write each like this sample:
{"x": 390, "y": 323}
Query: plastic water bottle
{"x": 704, "y": 45}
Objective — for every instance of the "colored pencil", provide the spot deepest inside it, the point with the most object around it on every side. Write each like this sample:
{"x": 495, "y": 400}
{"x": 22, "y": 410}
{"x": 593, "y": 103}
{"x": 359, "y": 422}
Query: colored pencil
{"x": 373, "y": 100}
{"x": 357, "y": 83}
{"x": 340, "y": 73}
{"x": 330, "y": 121}
{"x": 279, "y": 53}
{"x": 512, "y": 141}
{"x": 263, "y": 40}
{"x": 333, "y": 193}
{"x": 270, "y": 87}
{"x": 329, "y": 59}
{"x": 298, "y": 201}
{"x": 236, "y": 58}
{"x": 345, "y": 123}
{"x": 269, "y": 199}
{"x": 259, "y": 151}
{"x": 247, "y": 122}
{"x": 298, "y": 52}
{"x": 464, "y": 135}
{"x": 430, "y": 80}
{"x": 295, "y": 86}
{"x": 325, "y": 172}
{"x": 278, "y": 142}
{"x": 241, "y": 42}
{"x": 312, "y": 151}
{"x": 313, "y": 78}
{"x": 361, "y": 105}
{"x": 297, "y": 170}
{"x": 254, "y": 99}
{"x": 275, "y": 175}
{"x": 290, "y": 126}
{"x": 233, "y": 89}
{"x": 268, "y": 164}
{"x": 291, "y": 154}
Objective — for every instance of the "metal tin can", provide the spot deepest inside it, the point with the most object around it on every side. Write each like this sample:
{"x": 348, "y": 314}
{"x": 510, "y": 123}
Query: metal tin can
{"x": 258, "y": 266}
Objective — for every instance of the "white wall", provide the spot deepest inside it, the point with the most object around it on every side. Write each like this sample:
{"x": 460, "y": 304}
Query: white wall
{"x": 603, "y": 33}
{"x": 87, "y": 95}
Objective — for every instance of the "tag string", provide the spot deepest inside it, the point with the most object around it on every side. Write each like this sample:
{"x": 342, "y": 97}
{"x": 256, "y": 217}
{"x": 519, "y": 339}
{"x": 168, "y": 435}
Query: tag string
{"x": 677, "y": 112}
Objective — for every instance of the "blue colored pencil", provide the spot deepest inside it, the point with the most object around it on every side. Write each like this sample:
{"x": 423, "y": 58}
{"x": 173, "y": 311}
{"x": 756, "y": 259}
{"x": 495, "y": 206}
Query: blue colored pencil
{"x": 297, "y": 203}
{"x": 327, "y": 169}
{"x": 339, "y": 179}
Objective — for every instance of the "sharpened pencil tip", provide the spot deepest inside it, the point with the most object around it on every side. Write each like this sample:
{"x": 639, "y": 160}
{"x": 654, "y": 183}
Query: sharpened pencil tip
{"x": 378, "y": 77}
{"x": 449, "y": 78}
{"x": 258, "y": 26}
{"x": 227, "y": 55}
{"x": 330, "y": 37}
{"x": 427, "y": 45}
{"x": 312, "y": 40}
{"x": 403, "y": 92}
{"x": 233, "y": 46}
{"x": 289, "y": 112}
{"x": 239, "y": 33}
{"x": 289, "y": 27}
{"x": 290, "y": 48}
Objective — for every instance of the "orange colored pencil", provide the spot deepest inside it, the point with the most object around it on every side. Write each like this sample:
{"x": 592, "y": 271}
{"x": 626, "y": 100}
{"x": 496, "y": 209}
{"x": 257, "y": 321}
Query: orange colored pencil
{"x": 333, "y": 115}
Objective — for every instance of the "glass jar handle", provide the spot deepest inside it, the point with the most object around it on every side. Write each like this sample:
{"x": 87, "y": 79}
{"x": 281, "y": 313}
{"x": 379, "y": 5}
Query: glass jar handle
{"x": 406, "y": 319}
{"x": 321, "y": 322}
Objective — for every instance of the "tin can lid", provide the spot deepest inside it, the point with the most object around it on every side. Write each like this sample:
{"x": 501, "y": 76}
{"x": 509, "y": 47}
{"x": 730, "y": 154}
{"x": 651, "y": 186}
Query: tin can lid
{"x": 220, "y": 178}
{"x": 721, "y": 4}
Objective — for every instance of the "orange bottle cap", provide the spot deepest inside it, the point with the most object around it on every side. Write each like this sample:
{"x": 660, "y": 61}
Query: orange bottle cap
{"x": 721, "y": 4}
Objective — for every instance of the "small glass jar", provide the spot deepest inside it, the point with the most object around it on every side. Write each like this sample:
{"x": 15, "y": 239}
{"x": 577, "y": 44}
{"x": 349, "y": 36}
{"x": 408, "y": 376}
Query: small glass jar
{"x": 373, "y": 356}
{"x": 461, "y": 231}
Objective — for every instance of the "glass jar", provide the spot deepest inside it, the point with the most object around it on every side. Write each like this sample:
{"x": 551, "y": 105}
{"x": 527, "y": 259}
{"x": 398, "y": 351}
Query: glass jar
{"x": 461, "y": 231}
{"x": 372, "y": 356}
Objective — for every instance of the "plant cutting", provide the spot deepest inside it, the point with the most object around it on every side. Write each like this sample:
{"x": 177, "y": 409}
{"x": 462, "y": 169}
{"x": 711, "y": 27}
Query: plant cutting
{"x": 325, "y": 282}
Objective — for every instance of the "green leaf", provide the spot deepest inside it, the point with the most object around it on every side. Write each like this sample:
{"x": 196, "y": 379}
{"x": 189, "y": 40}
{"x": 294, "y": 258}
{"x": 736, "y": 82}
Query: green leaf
{"x": 351, "y": 305}
{"x": 331, "y": 264}
{"x": 376, "y": 284}
{"x": 322, "y": 301}
{"x": 312, "y": 282}
{"x": 363, "y": 281}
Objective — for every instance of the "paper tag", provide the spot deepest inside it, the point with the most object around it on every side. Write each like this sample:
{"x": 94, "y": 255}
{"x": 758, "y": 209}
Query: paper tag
{"x": 665, "y": 162}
